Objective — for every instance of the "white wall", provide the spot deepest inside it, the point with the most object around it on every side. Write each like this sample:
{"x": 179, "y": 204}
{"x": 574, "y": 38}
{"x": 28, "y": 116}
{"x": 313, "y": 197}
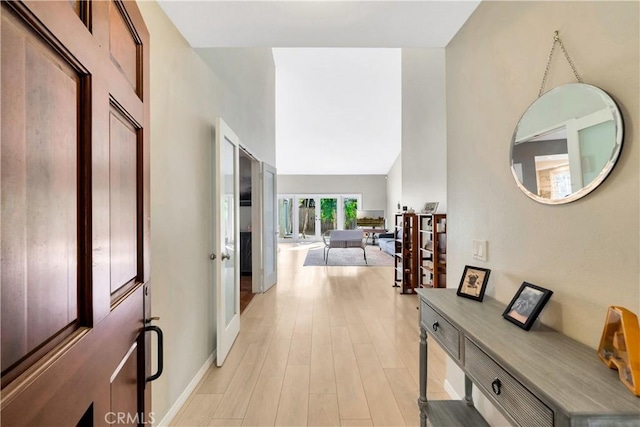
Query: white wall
{"x": 587, "y": 251}
{"x": 372, "y": 187}
{"x": 394, "y": 188}
{"x": 186, "y": 97}
{"x": 249, "y": 76}
{"x": 424, "y": 131}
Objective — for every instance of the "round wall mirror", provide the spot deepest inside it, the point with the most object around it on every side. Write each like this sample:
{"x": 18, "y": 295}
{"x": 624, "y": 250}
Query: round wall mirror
{"x": 566, "y": 143}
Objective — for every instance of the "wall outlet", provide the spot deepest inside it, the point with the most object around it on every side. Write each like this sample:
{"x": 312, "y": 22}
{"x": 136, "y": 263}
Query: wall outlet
{"x": 480, "y": 250}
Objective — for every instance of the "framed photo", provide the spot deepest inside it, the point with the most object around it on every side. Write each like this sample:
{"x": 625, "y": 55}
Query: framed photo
{"x": 526, "y": 305}
{"x": 430, "y": 208}
{"x": 474, "y": 282}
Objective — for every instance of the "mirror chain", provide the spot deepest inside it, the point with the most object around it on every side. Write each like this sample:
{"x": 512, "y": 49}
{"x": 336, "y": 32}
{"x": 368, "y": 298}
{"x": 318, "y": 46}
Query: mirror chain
{"x": 556, "y": 39}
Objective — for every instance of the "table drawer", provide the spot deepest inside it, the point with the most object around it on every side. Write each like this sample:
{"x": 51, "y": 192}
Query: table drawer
{"x": 515, "y": 399}
{"x": 446, "y": 334}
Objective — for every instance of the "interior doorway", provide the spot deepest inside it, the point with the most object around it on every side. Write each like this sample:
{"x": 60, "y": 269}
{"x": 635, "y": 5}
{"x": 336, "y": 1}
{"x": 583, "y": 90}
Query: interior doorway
{"x": 247, "y": 191}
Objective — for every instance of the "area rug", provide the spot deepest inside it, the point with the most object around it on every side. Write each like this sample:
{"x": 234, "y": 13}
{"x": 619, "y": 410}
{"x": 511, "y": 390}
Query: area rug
{"x": 349, "y": 257}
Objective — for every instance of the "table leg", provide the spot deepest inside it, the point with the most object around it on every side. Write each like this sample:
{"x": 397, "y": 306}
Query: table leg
{"x": 468, "y": 389}
{"x": 422, "y": 400}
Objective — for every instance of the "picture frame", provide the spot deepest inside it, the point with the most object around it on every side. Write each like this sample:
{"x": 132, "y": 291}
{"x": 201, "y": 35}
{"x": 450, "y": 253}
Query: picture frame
{"x": 473, "y": 282}
{"x": 526, "y": 305}
{"x": 430, "y": 208}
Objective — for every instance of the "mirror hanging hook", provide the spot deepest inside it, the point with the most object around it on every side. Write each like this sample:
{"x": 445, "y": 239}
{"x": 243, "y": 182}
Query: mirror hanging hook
{"x": 556, "y": 39}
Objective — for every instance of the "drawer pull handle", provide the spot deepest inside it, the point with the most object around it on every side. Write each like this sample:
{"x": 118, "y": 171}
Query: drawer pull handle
{"x": 435, "y": 326}
{"x": 495, "y": 386}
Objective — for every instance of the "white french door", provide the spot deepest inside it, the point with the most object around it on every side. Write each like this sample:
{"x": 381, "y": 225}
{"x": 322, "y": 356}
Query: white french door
{"x": 305, "y": 217}
{"x": 226, "y": 239}
{"x": 270, "y": 226}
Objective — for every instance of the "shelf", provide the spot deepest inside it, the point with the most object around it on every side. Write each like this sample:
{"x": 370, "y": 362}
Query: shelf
{"x": 453, "y": 413}
{"x": 407, "y": 255}
{"x": 433, "y": 246}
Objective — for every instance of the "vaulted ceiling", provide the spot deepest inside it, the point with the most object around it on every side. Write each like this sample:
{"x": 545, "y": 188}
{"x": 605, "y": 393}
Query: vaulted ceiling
{"x": 338, "y": 110}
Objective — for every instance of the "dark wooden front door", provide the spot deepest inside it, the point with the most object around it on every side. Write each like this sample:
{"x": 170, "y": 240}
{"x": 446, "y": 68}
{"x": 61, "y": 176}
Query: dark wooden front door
{"x": 74, "y": 219}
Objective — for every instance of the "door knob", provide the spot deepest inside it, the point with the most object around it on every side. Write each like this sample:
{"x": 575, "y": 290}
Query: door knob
{"x": 226, "y": 256}
{"x": 212, "y": 256}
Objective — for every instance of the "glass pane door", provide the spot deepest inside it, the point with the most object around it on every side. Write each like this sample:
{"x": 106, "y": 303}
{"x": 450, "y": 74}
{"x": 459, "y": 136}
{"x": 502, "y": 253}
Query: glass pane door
{"x": 226, "y": 213}
{"x": 328, "y": 214}
{"x": 285, "y": 218}
{"x": 306, "y": 219}
{"x": 350, "y": 213}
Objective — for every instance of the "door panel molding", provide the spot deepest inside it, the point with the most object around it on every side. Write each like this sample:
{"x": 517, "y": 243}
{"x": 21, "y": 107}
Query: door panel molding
{"x": 42, "y": 185}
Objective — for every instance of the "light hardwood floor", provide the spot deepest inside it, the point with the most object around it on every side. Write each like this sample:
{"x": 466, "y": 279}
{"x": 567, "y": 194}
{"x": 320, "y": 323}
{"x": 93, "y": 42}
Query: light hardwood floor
{"x": 327, "y": 346}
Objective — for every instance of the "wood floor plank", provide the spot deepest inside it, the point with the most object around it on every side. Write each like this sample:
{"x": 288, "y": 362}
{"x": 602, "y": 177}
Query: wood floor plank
{"x": 410, "y": 356}
{"x": 293, "y": 408}
{"x": 199, "y": 411}
{"x": 218, "y": 378}
{"x": 382, "y": 403}
{"x": 352, "y": 402}
{"x": 322, "y": 378}
{"x": 323, "y": 410}
{"x": 356, "y": 423}
{"x": 263, "y": 405}
{"x": 336, "y": 314}
{"x": 257, "y": 351}
{"x": 287, "y": 320}
{"x": 384, "y": 347}
{"x": 236, "y": 399}
{"x": 300, "y": 353}
{"x": 357, "y": 330}
{"x": 225, "y": 422}
{"x": 405, "y": 391}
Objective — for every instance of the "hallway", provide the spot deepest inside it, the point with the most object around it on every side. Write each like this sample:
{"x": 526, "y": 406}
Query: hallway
{"x": 325, "y": 347}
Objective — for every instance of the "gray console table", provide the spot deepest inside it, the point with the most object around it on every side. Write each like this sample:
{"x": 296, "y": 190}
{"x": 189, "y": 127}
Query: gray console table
{"x": 535, "y": 378}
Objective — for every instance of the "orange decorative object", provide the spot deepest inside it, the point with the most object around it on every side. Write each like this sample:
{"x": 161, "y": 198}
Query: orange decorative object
{"x": 620, "y": 346}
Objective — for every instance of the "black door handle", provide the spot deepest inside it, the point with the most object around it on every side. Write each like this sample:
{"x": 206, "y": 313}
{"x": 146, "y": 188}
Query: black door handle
{"x": 435, "y": 326}
{"x": 158, "y": 331}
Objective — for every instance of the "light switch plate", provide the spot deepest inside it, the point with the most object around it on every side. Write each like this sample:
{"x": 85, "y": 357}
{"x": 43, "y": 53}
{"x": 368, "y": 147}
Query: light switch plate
{"x": 480, "y": 250}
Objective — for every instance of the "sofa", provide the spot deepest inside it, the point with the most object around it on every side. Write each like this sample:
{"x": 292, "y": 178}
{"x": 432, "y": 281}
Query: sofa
{"x": 386, "y": 242}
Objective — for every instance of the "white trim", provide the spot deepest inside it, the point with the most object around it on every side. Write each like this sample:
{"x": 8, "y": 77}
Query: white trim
{"x": 452, "y": 392}
{"x": 175, "y": 408}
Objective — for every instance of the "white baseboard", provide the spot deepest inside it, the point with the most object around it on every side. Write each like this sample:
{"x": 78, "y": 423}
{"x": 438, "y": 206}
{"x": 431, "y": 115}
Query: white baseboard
{"x": 175, "y": 408}
{"x": 450, "y": 390}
